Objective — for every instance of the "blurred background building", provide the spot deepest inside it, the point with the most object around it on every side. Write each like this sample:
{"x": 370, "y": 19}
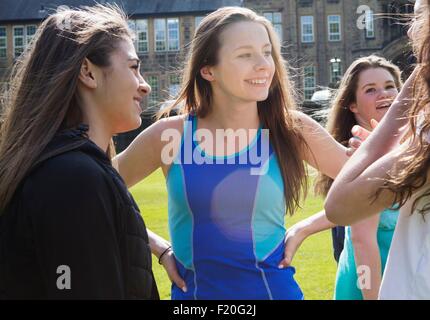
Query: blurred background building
{"x": 320, "y": 38}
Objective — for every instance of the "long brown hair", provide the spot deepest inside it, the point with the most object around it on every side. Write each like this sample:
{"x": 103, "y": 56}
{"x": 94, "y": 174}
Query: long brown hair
{"x": 341, "y": 119}
{"x": 42, "y": 97}
{"x": 416, "y": 160}
{"x": 275, "y": 112}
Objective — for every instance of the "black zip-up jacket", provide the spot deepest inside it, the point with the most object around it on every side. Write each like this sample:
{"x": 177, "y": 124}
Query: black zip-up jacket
{"x": 73, "y": 231}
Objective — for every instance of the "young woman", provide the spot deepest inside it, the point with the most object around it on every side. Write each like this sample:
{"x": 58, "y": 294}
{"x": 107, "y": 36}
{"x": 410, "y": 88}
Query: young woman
{"x": 226, "y": 210}
{"x": 367, "y": 89}
{"x": 382, "y": 173}
{"x": 366, "y": 92}
{"x": 68, "y": 226}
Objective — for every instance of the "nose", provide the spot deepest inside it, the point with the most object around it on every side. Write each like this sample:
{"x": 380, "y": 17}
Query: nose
{"x": 262, "y": 63}
{"x": 385, "y": 94}
{"x": 144, "y": 87}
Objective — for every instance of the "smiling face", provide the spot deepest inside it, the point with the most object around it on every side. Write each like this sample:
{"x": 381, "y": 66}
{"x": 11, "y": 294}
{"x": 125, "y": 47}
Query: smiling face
{"x": 122, "y": 90}
{"x": 245, "y": 65}
{"x": 376, "y": 90}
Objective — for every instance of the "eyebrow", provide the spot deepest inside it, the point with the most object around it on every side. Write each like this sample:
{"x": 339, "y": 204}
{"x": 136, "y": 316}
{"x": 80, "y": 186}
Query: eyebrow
{"x": 250, "y": 47}
{"x": 374, "y": 84}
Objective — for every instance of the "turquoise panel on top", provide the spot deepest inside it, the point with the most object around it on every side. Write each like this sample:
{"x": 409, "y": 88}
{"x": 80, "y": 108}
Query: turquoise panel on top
{"x": 180, "y": 217}
{"x": 269, "y": 211}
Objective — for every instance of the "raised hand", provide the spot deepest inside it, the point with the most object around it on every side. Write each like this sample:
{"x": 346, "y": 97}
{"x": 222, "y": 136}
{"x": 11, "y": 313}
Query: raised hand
{"x": 359, "y": 135}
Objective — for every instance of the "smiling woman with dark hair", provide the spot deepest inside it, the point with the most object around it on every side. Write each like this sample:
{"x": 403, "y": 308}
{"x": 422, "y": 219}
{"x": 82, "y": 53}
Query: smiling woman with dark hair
{"x": 68, "y": 226}
{"x": 382, "y": 173}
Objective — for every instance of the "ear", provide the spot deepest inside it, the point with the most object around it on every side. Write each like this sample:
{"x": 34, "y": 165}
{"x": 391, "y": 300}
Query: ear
{"x": 207, "y": 74}
{"x": 353, "y": 107}
{"x": 87, "y": 74}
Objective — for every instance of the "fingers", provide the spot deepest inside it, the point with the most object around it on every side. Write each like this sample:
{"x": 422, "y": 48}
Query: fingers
{"x": 354, "y": 142}
{"x": 177, "y": 280}
{"x": 373, "y": 123}
{"x": 288, "y": 257}
{"x": 350, "y": 151}
{"x": 169, "y": 264}
{"x": 284, "y": 263}
{"x": 360, "y": 133}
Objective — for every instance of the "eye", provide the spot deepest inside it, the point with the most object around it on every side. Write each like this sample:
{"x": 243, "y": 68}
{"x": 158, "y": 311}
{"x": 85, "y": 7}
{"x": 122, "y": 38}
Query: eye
{"x": 390, "y": 87}
{"x": 245, "y": 55}
{"x": 370, "y": 90}
{"x": 268, "y": 53}
{"x": 135, "y": 67}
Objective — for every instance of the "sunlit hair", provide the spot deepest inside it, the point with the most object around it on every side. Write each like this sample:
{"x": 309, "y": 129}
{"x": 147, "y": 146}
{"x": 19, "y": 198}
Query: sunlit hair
{"x": 42, "y": 98}
{"x": 276, "y": 112}
{"x": 416, "y": 160}
{"x": 341, "y": 119}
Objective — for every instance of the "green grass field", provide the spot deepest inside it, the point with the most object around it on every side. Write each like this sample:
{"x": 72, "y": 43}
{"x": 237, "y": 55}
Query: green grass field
{"x": 314, "y": 263}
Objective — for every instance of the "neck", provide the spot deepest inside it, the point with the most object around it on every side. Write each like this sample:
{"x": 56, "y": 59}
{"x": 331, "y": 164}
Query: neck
{"x": 363, "y": 123}
{"x": 228, "y": 114}
{"x": 98, "y": 132}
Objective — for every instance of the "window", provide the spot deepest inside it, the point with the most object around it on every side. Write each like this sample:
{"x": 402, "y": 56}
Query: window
{"x": 160, "y": 34}
{"x": 30, "y": 32}
{"x": 335, "y": 70}
{"x": 173, "y": 34}
{"x": 18, "y": 41}
{"x": 22, "y": 36}
{"x": 309, "y": 82}
{"x": 174, "y": 85}
{"x": 276, "y": 19}
{"x": 3, "y": 42}
{"x": 166, "y": 34}
{"x": 197, "y": 21}
{"x": 153, "y": 96}
{"x": 307, "y": 29}
{"x": 370, "y": 25}
{"x": 140, "y": 27}
{"x": 334, "y": 33}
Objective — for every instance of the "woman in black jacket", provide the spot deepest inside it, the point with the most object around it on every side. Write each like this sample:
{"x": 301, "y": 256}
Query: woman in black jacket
{"x": 68, "y": 226}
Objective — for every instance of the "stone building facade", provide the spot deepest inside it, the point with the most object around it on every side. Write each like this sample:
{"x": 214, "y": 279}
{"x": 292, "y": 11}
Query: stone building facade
{"x": 320, "y": 38}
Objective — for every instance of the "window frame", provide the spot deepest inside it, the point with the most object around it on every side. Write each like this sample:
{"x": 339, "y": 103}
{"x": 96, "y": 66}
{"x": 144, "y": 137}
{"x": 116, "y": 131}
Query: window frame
{"x": 303, "y": 35}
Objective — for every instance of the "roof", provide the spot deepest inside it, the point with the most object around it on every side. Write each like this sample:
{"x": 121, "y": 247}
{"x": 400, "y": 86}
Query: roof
{"x": 20, "y": 10}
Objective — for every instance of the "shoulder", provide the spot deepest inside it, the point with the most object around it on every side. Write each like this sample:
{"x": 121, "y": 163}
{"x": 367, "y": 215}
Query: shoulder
{"x": 161, "y": 131}
{"x": 173, "y": 123}
{"x": 71, "y": 171}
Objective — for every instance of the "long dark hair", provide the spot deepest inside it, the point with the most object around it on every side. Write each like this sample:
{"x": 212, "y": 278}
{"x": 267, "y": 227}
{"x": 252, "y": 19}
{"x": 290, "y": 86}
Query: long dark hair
{"x": 341, "y": 119}
{"x": 42, "y": 97}
{"x": 276, "y": 112}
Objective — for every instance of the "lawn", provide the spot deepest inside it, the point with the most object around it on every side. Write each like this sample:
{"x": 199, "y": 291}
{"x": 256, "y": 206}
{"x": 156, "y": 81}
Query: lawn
{"x": 314, "y": 263}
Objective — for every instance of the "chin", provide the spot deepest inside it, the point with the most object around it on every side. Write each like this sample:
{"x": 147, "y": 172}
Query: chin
{"x": 130, "y": 125}
{"x": 262, "y": 98}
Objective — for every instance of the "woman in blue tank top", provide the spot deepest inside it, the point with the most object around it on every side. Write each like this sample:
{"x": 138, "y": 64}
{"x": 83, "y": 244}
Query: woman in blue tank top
{"x": 368, "y": 88}
{"x": 234, "y": 163}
